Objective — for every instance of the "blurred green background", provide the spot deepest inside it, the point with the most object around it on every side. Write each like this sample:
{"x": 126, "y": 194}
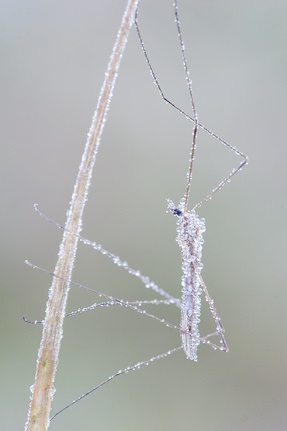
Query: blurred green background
{"x": 54, "y": 55}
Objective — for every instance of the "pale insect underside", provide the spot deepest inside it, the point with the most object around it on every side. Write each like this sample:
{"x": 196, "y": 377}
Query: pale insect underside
{"x": 190, "y": 228}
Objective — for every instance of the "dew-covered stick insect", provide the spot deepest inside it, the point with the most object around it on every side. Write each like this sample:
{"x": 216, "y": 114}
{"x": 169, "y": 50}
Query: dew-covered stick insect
{"x": 190, "y": 229}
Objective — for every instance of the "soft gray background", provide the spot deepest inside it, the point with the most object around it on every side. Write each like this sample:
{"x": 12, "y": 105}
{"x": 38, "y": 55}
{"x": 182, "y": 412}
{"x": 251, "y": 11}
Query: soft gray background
{"x": 53, "y": 57}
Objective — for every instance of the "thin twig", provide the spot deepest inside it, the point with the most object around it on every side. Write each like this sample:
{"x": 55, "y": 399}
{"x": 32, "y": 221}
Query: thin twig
{"x": 48, "y": 355}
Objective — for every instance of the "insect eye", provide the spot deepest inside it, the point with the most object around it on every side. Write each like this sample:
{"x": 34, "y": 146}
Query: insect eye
{"x": 177, "y": 212}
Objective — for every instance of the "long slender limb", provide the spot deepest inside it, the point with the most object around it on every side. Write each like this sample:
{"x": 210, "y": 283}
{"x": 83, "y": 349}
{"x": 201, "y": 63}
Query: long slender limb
{"x": 133, "y": 304}
{"x": 169, "y": 102}
{"x": 111, "y": 301}
{"x": 216, "y": 318}
{"x": 105, "y": 304}
{"x": 193, "y": 119}
{"x": 149, "y": 284}
{"x": 195, "y": 116}
{"x": 117, "y": 374}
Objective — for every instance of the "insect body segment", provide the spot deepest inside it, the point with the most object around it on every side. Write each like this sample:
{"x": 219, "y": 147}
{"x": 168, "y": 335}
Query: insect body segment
{"x": 190, "y": 228}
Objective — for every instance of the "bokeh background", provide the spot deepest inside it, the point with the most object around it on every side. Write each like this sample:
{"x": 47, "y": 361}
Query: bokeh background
{"x": 54, "y": 56}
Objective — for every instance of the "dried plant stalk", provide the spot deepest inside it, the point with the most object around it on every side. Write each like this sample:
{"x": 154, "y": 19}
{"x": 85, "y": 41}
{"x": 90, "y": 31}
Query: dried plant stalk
{"x": 48, "y": 355}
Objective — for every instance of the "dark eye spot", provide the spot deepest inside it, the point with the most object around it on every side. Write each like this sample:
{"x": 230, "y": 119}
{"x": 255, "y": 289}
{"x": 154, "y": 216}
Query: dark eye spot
{"x": 177, "y": 212}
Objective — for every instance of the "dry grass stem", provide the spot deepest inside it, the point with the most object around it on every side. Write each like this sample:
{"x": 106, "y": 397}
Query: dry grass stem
{"x": 48, "y": 355}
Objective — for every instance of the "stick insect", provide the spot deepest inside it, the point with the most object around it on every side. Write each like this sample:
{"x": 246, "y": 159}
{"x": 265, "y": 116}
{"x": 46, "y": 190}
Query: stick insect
{"x": 190, "y": 228}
